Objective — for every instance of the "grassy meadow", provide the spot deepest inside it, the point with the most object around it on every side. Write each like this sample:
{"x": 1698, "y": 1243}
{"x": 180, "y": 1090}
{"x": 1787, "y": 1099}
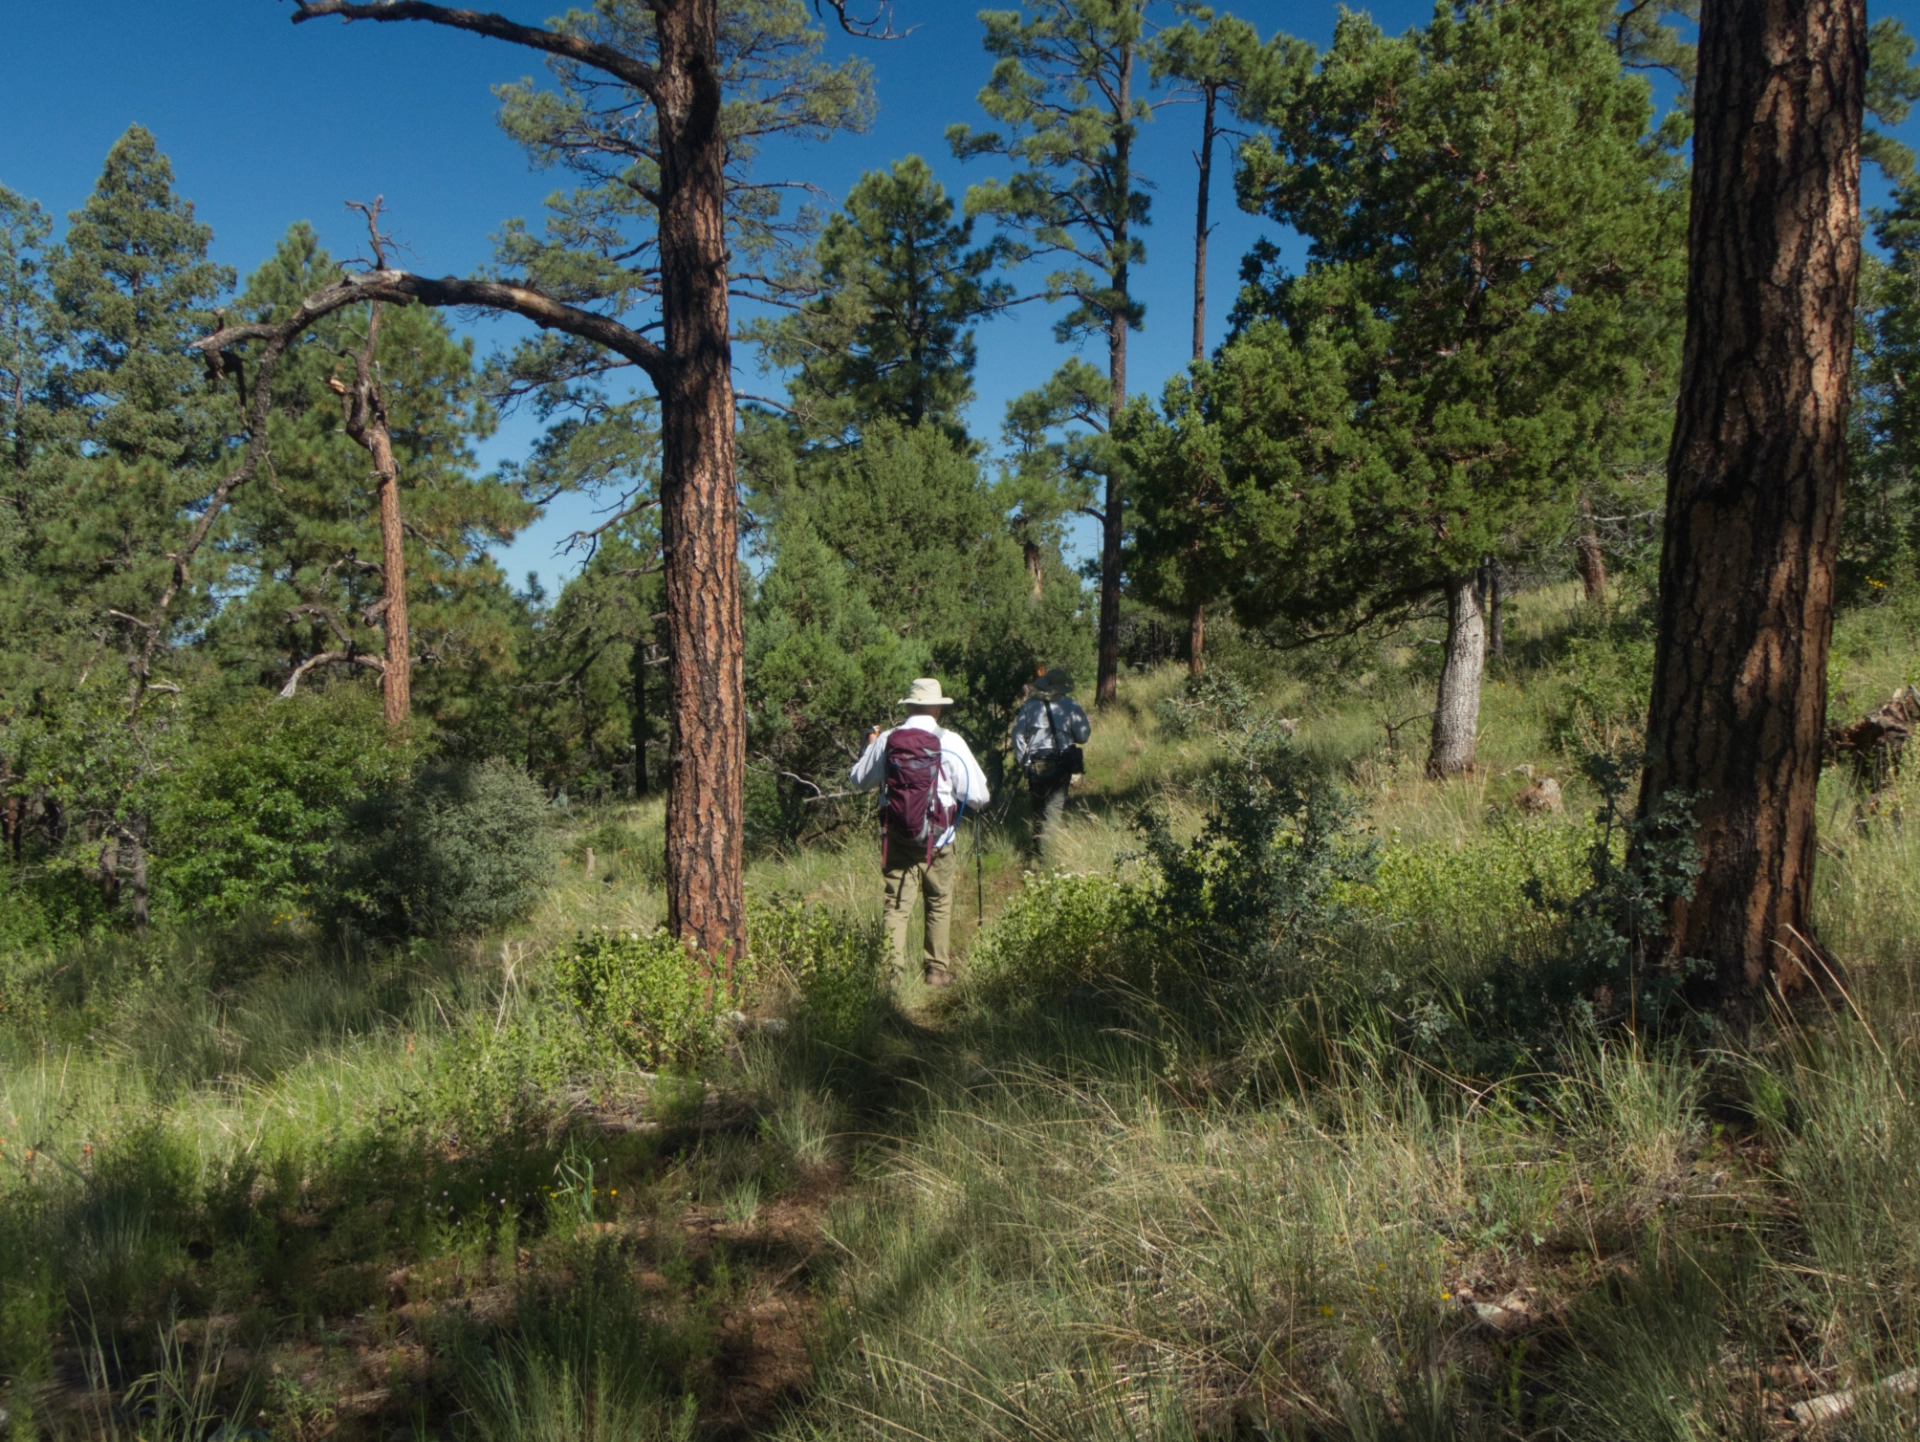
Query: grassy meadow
{"x": 253, "y": 1184}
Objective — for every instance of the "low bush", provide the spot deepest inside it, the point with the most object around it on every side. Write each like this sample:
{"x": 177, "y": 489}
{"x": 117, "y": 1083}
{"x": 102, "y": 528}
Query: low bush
{"x": 836, "y": 966}
{"x": 1057, "y": 932}
{"x": 1602, "y": 707}
{"x": 645, "y": 992}
{"x": 252, "y": 816}
{"x": 1267, "y": 877}
{"x": 458, "y": 848}
{"x": 1216, "y": 700}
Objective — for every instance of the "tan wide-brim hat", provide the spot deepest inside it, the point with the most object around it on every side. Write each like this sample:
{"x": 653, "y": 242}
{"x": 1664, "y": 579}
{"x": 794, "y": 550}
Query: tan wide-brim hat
{"x": 924, "y": 692}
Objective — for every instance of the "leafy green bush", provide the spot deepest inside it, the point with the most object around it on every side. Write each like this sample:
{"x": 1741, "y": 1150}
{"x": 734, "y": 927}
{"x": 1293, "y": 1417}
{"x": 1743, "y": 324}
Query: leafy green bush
{"x": 1215, "y": 701}
{"x": 1471, "y": 900}
{"x": 1603, "y": 704}
{"x": 836, "y": 965}
{"x": 647, "y": 993}
{"x": 252, "y": 816}
{"x": 1269, "y": 874}
{"x": 1057, "y": 932}
{"x": 458, "y": 848}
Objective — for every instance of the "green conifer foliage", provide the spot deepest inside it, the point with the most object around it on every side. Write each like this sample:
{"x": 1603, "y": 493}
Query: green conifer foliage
{"x": 891, "y": 331}
{"x": 28, "y": 352}
{"x": 1064, "y": 86}
{"x": 135, "y": 288}
{"x": 893, "y": 559}
{"x": 303, "y": 554}
{"x": 1488, "y": 323}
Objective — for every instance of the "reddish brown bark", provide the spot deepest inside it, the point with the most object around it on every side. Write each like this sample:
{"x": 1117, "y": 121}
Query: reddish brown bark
{"x": 1754, "y": 473}
{"x": 692, "y": 371}
{"x": 366, "y": 425}
{"x": 706, "y": 747}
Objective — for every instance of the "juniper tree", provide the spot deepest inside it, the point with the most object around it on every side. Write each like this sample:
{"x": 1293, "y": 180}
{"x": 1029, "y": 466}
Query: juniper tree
{"x": 1485, "y": 321}
{"x": 1064, "y": 86}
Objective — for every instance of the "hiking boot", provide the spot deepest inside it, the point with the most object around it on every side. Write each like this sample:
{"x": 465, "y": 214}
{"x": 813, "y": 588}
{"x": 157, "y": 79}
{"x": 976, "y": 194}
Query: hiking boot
{"x": 938, "y": 976}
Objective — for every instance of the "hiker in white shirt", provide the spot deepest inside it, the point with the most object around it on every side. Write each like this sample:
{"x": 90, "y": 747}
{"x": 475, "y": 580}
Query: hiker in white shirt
{"x": 929, "y": 780}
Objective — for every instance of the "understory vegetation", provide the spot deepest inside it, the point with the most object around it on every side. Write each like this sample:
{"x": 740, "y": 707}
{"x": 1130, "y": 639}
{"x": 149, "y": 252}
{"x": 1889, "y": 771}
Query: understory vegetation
{"x": 1294, "y": 1096}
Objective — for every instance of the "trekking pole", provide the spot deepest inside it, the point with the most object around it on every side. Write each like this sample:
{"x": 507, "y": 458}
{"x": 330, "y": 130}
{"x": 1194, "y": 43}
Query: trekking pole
{"x": 979, "y": 875}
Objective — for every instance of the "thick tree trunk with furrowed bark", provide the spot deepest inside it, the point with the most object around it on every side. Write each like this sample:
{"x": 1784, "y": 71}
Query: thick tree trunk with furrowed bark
{"x": 691, "y": 368}
{"x": 699, "y": 519}
{"x": 1456, "y": 715}
{"x": 1754, "y": 473}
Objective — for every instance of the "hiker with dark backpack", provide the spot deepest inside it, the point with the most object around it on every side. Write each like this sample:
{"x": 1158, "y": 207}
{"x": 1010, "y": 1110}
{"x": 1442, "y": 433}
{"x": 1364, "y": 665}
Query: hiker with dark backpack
{"x": 928, "y": 781}
{"x": 1047, "y": 737}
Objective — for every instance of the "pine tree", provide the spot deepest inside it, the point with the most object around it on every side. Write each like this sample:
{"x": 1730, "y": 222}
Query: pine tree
{"x": 900, "y": 289}
{"x": 1737, "y": 717}
{"x": 28, "y": 354}
{"x": 1064, "y": 85}
{"x": 659, "y": 110}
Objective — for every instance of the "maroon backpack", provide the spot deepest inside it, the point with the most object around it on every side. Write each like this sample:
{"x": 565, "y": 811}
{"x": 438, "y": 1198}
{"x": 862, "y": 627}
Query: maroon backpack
{"x": 911, "y": 809}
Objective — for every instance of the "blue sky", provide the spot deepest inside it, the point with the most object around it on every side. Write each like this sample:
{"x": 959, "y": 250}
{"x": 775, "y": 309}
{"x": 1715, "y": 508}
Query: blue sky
{"x": 268, "y": 123}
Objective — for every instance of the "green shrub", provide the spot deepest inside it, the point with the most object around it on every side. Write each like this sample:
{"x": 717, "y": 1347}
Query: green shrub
{"x": 1470, "y": 900}
{"x": 1269, "y": 874}
{"x": 1057, "y": 932}
{"x": 1215, "y": 701}
{"x": 649, "y": 995}
{"x": 252, "y": 815}
{"x": 459, "y": 848}
{"x": 1603, "y": 701}
{"x": 836, "y": 965}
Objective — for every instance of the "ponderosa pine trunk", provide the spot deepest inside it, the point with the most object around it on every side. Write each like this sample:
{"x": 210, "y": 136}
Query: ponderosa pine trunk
{"x": 699, "y": 518}
{"x": 1112, "y": 532}
{"x": 1197, "y": 640}
{"x": 1754, "y": 476}
{"x": 1456, "y": 714}
{"x": 691, "y": 368}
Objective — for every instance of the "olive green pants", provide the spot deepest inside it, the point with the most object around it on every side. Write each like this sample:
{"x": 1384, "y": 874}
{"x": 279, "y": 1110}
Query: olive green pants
{"x": 1049, "y": 810}
{"x": 909, "y": 876}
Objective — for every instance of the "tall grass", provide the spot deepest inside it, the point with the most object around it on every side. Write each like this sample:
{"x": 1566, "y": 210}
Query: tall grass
{"x": 1046, "y": 1208}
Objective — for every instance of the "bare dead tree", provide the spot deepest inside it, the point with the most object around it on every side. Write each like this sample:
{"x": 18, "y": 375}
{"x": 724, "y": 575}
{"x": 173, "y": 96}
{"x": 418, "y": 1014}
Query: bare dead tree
{"x": 365, "y": 420}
